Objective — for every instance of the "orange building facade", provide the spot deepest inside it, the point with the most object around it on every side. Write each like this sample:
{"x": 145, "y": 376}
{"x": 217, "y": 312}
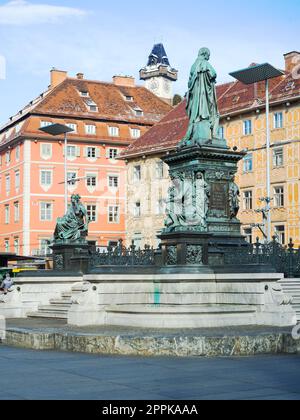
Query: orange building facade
{"x": 106, "y": 118}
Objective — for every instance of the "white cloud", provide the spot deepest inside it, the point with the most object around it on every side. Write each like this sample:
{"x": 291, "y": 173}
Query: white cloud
{"x": 21, "y": 12}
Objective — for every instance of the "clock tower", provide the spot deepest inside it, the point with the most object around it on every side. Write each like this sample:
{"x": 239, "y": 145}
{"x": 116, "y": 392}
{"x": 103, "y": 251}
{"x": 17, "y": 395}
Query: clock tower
{"x": 159, "y": 76}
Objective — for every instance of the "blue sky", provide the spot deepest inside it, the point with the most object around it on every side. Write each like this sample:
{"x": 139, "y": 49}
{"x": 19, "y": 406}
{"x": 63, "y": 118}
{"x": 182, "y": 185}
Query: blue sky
{"x": 102, "y": 38}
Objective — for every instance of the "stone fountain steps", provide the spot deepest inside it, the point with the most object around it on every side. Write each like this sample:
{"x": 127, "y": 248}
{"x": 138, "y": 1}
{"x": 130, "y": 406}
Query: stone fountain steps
{"x": 165, "y": 316}
{"x": 291, "y": 287}
{"x": 59, "y": 302}
{"x": 57, "y": 309}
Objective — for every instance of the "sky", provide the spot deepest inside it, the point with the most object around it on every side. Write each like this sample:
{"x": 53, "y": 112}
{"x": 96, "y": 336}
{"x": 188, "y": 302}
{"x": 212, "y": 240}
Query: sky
{"x": 102, "y": 38}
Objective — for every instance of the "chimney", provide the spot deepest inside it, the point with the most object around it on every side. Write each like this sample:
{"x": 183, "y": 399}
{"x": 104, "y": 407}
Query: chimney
{"x": 126, "y": 81}
{"x": 291, "y": 60}
{"x": 80, "y": 76}
{"x": 57, "y": 77}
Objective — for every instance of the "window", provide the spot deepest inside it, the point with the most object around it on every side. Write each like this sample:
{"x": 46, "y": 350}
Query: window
{"x": 280, "y": 234}
{"x": 247, "y": 127}
{"x": 7, "y": 184}
{"x": 72, "y": 152}
{"x": 129, "y": 98}
{"x": 7, "y": 214}
{"x": 138, "y": 112}
{"x": 44, "y": 247}
{"x": 278, "y": 157}
{"x": 92, "y": 212}
{"x": 70, "y": 177}
{"x": 137, "y": 240}
{"x": 84, "y": 93}
{"x": 91, "y": 180}
{"x": 45, "y": 124}
{"x": 7, "y": 157}
{"x": 46, "y": 210}
{"x": 6, "y": 245}
{"x": 113, "y": 153}
{"x": 18, "y": 127}
{"x": 46, "y": 178}
{"x": 113, "y": 181}
{"x": 248, "y": 235}
{"x": 18, "y": 153}
{"x": 221, "y": 132}
{"x": 90, "y": 129}
{"x": 137, "y": 209}
{"x": 279, "y": 196}
{"x": 114, "y": 214}
{"x": 248, "y": 163}
{"x": 113, "y": 131}
{"x": 46, "y": 151}
{"x": 93, "y": 108}
{"x": 72, "y": 127}
{"x": 278, "y": 120}
{"x": 91, "y": 152}
{"x": 160, "y": 209}
{"x": 159, "y": 170}
{"x": 137, "y": 173}
{"x": 17, "y": 246}
{"x": 17, "y": 180}
{"x": 17, "y": 211}
{"x": 135, "y": 133}
{"x": 248, "y": 200}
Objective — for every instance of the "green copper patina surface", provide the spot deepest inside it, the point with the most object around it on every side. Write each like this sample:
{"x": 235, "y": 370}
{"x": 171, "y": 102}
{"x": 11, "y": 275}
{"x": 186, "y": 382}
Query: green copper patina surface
{"x": 202, "y": 107}
{"x": 73, "y": 227}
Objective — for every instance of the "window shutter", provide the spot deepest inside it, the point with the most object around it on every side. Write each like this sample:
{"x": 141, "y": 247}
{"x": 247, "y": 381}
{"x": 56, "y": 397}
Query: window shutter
{"x": 98, "y": 153}
{"x": 77, "y": 151}
{"x": 85, "y": 152}
{"x": 107, "y": 153}
{"x": 64, "y": 151}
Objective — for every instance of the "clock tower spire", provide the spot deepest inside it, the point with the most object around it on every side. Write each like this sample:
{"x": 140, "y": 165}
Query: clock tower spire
{"x": 158, "y": 74}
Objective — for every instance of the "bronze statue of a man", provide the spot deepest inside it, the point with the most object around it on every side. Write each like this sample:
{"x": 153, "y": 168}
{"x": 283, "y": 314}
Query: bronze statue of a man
{"x": 202, "y": 107}
{"x": 73, "y": 227}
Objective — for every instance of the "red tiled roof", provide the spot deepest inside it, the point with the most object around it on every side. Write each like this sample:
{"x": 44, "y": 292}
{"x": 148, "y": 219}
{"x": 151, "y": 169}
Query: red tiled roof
{"x": 233, "y": 98}
{"x": 109, "y": 98}
{"x": 65, "y": 101}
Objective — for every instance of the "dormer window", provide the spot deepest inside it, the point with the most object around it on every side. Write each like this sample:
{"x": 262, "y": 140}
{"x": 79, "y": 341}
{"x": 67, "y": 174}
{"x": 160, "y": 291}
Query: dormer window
{"x": 129, "y": 98}
{"x": 84, "y": 93}
{"x": 93, "y": 108}
{"x": 92, "y": 105}
{"x": 139, "y": 113}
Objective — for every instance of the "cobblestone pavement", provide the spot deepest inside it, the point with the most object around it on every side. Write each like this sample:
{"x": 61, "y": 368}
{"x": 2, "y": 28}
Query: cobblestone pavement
{"x": 27, "y": 374}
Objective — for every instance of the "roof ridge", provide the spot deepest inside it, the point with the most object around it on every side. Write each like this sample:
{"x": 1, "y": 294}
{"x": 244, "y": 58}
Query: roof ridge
{"x": 101, "y": 82}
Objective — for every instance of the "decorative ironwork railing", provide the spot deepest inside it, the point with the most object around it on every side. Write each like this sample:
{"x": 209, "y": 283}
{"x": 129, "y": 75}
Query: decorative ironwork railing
{"x": 283, "y": 259}
{"x": 122, "y": 256}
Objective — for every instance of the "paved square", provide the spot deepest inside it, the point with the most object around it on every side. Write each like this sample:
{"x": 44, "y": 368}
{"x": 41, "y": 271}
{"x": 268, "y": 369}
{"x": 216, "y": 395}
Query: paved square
{"x": 28, "y": 374}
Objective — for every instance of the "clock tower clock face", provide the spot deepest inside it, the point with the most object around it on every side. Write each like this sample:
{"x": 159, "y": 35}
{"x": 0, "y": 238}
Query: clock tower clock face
{"x": 154, "y": 85}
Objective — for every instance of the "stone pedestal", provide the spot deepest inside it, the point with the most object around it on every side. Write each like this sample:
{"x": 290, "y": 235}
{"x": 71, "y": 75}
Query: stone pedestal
{"x": 181, "y": 249}
{"x": 202, "y": 225}
{"x": 71, "y": 257}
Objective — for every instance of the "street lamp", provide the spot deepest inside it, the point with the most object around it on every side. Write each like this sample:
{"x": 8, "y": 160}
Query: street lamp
{"x": 251, "y": 75}
{"x": 57, "y": 130}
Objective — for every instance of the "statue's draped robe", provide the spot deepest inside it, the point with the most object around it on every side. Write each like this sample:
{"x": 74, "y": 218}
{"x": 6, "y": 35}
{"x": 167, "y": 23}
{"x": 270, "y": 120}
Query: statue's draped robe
{"x": 202, "y": 97}
{"x": 71, "y": 226}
